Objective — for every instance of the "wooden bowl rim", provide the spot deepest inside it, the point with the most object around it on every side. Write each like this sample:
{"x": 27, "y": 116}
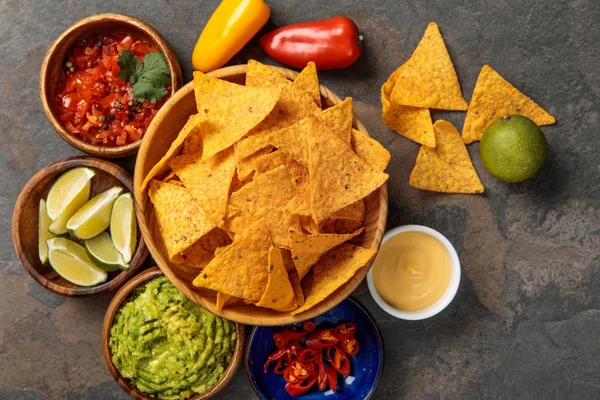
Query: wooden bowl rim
{"x": 282, "y": 318}
{"x": 56, "y": 168}
{"x": 109, "y": 317}
{"x": 136, "y": 24}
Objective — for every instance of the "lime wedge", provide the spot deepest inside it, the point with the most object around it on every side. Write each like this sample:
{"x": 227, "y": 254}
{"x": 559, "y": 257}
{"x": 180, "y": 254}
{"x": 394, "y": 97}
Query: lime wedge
{"x": 103, "y": 253}
{"x": 70, "y": 261}
{"x": 123, "y": 228}
{"x": 70, "y": 186}
{"x": 94, "y": 216}
{"x": 43, "y": 233}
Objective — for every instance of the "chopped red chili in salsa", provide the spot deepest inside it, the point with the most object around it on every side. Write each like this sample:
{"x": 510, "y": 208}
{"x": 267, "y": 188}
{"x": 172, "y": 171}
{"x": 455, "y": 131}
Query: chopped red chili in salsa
{"x": 96, "y": 105}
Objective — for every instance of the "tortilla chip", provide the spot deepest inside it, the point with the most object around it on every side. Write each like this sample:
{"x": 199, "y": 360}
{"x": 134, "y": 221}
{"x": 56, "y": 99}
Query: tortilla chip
{"x": 292, "y": 141}
{"x": 410, "y": 122}
{"x": 308, "y": 80}
{"x": 339, "y": 119}
{"x": 333, "y": 270}
{"x": 353, "y": 212}
{"x": 342, "y": 226}
{"x": 428, "y": 78}
{"x": 181, "y": 220}
{"x": 309, "y": 225}
{"x": 193, "y": 124}
{"x": 299, "y": 206}
{"x": 230, "y": 110}
{"x": 296, "y": 286}
{"x": 448, "y": 167}
{"x": 370, "y": 150}
{"x": 193, "y": 144}
{"x": 203, "y": 250}
{"x": 240, "y": 269}
{"x": 208, "y": 181}
{"x": 281, "y": 223}
{"x": 494, "y": 98}
{"x": 265, "y": 194}
{"x": 245, "y": 166}
{"x": 221, "y": 300}
{"x": 267, "y": 162}
{"x": 338, "y": 177}
{"x": 294, "y": 104}
{"x": 307, "y": 249}
{"x": 279, "y": 294}
{"x": 288, "y": 263}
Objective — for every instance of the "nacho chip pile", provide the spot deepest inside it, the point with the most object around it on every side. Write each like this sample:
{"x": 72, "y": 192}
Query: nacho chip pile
{"x": 262, "y": 189}
{"x": 428, "y": 81}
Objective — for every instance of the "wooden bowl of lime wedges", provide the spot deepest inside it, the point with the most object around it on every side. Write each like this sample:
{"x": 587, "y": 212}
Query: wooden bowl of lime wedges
{"x": 74, "y": 227}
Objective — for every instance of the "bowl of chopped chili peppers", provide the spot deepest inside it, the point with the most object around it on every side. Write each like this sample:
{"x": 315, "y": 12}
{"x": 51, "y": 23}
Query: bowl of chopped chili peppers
{"x": 104, "y": 79}
{"x": 337, "y": 355}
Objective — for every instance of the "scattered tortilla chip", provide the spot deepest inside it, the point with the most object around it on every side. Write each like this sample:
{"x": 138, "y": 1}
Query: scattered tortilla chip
{"x": 353, "y": 212}
{"x": 245, "y": 166}
{"x": 338, "y": 177}
{"x": 493, "y": 98}
{"x": 428, "y": 78}
{"x": 333, "y": 270}
{"x": 308, "y": 80}
{"x": 230, "y": 110}
{"x": 279, "y": 294}
{"x": 240, "y": 269}
{"x": 448, "y": 167}
{"x": 221, "y": 300}
{"x": 181, "y": 220}
{"x": 193, "y": 124}
{"x": 203, "y": 250}
{"x": 307, "y": 249}
{"x": 370, "y": 150}
{"x": 208, "y": 181}
{"x": 265, "y": 194}
{"x": 296, "y": 286}
{"x": 410, "y": 122}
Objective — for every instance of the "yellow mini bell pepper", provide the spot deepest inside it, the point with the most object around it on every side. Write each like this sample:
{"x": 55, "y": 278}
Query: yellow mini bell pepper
{"x": 231, "y": 26}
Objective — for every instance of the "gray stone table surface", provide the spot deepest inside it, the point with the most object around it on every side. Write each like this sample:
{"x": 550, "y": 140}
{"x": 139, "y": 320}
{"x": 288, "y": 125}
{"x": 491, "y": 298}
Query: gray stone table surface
{"x": 526, "y": 321}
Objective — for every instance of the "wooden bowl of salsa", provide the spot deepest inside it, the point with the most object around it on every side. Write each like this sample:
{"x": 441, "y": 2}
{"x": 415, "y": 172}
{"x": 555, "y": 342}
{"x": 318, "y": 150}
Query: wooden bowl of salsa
{"x": 87, "y": 100}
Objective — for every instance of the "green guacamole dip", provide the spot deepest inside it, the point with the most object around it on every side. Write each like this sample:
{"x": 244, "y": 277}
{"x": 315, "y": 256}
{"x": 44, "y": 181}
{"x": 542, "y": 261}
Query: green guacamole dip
{"x": 168, "y": 346}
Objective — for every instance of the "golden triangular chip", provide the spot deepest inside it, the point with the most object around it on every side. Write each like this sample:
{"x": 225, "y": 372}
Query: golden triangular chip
{"x": 493, "y": 98}
{"x": 333, "y": 270}
{"x": 181, "y": 220}
{"x": 370, "y": 150}
{"x": 428, "y": 79}
{"x": 279, "y": 294}
{"x": 448, "y": 167}
{"x": 338, "y": 177}
{"x": 240, "y": 269}
{"x": 208, "y": 181}
{"x": 267, "y": 193}
{"x": 231, "y": 110}
{"x": 193, "y": 124}
{"x": 308, "y": 80}
{"x": 203, "y": 250}
{"x": 410, "y": 122}
{"x": 353, "y": 212}
{"x": 245, "y": 166}
{"x": 222, "y": 298}
{"x": 307, "y": 249}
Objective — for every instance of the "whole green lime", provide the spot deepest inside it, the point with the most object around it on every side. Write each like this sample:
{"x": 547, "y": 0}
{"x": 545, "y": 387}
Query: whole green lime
{"x": 513, "y": 148}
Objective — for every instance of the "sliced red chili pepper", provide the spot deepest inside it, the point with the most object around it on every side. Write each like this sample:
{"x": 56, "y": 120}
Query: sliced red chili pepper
{"x": 280, "y": 366}
{"x": 345, "y": 330}
{"x": 321, "y": 339}
{"x": 308, "y": 355}
{"x": 287, "y": 336}
{"x": 339, "y": 360}
{"x": 309, "y": 326}
{"x": 331, "y": 377}
{"x": 321, "y": 374}
{"x": 296, "y": 372}
{"x": 350, "y": 346}
{"x": 274, "y": 357}
{"x": 298, "y": 389}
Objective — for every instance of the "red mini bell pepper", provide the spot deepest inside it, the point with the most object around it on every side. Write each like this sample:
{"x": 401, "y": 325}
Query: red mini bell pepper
{"x": 331, "y": 43}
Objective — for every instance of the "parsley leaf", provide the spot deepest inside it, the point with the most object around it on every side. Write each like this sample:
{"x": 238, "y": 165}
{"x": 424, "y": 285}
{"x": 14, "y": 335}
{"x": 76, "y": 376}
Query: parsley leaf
{"x": 149, "y": 79}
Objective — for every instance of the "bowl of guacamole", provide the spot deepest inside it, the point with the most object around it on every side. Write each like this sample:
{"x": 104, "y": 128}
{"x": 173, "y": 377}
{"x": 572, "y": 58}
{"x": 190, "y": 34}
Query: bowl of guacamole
{"x": 158, "y": 344}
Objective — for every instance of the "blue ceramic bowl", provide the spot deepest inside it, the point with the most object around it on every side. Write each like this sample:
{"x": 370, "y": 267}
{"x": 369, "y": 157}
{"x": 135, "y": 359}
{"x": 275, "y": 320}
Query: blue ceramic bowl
{"x": 367, "y": 365}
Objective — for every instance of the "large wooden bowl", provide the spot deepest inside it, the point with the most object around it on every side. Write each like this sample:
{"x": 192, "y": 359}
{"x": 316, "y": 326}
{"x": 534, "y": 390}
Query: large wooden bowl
{"x": 135, "y": 393}
{"x": 25, "y": 225}
{"x": 51, "y": 72}
{"x": 161, "y": 133}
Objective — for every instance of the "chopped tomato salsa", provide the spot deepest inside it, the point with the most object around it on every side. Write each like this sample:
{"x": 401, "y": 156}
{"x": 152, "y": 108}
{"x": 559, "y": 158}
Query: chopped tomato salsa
{"x": 93, "y": 102}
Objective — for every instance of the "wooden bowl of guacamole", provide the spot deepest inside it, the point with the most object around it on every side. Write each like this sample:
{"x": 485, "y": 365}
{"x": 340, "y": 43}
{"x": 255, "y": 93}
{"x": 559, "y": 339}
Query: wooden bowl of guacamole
{"x": 158, "y": 344}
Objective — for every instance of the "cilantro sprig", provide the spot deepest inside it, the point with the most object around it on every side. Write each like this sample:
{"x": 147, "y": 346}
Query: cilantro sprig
{"x": 149, "y": 79}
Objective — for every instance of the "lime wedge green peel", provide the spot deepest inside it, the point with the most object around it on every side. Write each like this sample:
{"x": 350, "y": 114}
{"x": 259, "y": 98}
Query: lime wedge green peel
{"x": 67, "y": 188}
{"x": 44, "y": 222}
{"x": 71, "y": 261}
{"x": 123, "y": 228}
{"x": 104, "y": 254}
{"x": 94, "y": 216}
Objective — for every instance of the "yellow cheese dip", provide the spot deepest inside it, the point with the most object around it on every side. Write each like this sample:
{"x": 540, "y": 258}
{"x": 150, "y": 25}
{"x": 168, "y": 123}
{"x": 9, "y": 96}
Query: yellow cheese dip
{"x": 411, "y": 271}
